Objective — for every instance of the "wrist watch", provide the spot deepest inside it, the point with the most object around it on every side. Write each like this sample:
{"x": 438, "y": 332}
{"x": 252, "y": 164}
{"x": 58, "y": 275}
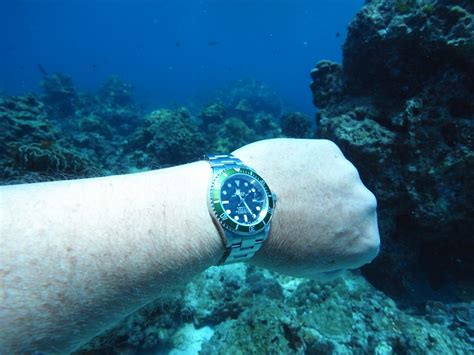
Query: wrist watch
{"x": 241, "y": 205}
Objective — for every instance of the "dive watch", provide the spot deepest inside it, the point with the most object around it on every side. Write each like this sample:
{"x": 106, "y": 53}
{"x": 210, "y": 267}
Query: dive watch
{"x": 241, "y": 205}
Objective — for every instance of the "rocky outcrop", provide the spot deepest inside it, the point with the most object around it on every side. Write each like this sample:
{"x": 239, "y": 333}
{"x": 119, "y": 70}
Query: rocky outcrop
{"x": 296, "y": 125}
{"x": 401, "y": 106}
{"x": 170, "y": 137}
{"x": 59, "y": 95}
{"x": 245, "y": 97}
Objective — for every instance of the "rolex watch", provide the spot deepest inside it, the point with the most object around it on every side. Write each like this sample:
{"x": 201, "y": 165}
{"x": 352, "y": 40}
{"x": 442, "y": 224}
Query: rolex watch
{"x": 241, "y": 205}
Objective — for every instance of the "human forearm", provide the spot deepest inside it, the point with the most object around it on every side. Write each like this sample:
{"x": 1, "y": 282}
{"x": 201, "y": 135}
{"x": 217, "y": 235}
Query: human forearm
{"x": 76, "y": 256}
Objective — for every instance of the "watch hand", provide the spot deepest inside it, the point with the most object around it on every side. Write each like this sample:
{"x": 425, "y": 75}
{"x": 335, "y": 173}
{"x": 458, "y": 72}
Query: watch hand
{"x": 245, "y": 203}
{"x": 247, "y": 206}
{"x": 237, "y": 193}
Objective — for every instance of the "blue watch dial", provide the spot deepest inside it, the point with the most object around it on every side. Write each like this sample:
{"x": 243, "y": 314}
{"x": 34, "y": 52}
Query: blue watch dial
{"x": 244, "y": 199}
{"x": 241, "y": 200}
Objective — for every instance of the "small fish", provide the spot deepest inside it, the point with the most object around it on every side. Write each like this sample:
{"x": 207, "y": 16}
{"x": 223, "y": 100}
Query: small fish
{"x": 93, "y": 66}
{"x": 338, "y": 34}
{"x": 46, "y": 143}
{"x": 42, "y": 70}
{"x": 178, "y": 44}
{"x": 212, "y": 43}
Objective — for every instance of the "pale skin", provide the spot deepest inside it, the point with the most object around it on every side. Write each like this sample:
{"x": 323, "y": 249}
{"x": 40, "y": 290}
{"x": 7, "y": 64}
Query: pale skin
{"x": 77, "y": 256}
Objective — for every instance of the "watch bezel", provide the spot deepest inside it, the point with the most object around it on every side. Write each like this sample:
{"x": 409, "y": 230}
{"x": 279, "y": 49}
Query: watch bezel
{"x": 218, "y": 211}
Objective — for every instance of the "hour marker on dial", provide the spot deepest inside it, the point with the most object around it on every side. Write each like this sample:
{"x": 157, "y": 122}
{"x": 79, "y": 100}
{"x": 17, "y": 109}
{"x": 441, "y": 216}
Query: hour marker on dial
{"x": 224, "y": 192}
{"x": 236, "y": 218}
{"x": 227, "y": 211}
{"x": 229, "y": 185}
{"x": 246, "y": 219}
{"x": 257, "y": 208}
{"x": 246, "y": 184}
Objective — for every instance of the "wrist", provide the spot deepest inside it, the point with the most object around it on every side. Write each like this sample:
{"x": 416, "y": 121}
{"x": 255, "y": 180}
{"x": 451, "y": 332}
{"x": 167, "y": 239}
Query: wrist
{"x": 259, "y": 156}
{"x": 194, "y": 220}
{"x": 181, "y": 237}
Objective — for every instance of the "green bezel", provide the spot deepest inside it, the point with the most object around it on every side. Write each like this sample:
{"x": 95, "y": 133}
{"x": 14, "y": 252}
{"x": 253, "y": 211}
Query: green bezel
{"x": 219, "y": 213}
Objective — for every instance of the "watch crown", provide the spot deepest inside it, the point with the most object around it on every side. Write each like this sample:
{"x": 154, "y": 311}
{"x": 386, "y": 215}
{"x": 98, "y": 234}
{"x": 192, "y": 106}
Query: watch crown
{"x": 275, "y": 197}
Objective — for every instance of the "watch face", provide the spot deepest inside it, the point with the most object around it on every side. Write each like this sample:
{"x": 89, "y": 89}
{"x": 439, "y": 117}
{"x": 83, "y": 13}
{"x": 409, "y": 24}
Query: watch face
{"x": 244, "y": 199}
{"x": 241, "y": 200}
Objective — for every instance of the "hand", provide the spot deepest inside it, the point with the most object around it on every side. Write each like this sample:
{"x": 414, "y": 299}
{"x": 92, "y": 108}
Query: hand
{"x": 325, "y": 218}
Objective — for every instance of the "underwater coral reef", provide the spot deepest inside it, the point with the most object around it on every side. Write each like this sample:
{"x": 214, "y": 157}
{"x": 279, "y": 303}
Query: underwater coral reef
{"x": 400, "y": 106}
{"x": 64, "y": 133}
{"x": 247, "y": 310}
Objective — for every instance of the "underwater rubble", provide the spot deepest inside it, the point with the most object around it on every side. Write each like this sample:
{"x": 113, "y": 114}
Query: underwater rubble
{"x": 248, "y": 310}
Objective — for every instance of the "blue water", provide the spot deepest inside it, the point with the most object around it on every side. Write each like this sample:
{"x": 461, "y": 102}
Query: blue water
{"x": 172, "y": 51}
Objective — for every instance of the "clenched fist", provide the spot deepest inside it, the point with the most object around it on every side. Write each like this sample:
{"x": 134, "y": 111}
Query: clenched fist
{"x": 325, "y": 219}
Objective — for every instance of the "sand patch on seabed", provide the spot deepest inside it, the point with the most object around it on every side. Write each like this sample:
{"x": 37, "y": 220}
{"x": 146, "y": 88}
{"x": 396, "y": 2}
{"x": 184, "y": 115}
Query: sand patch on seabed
{"x": 188, "y": 340}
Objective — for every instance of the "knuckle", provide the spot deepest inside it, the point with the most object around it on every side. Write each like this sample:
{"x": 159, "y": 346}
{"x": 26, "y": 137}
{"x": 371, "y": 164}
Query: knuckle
{"x": 372, "y": 236}
{"x": 351, "y": 171}
{"x": 373, "y": 247}
{"x": 330, "y": 146}
{"x": 369, "y": 245}
{"x": 371, "y": 200}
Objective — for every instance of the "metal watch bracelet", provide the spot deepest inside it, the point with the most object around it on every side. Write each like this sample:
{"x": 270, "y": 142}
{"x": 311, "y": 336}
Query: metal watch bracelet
{"x": 238, "y": 247}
